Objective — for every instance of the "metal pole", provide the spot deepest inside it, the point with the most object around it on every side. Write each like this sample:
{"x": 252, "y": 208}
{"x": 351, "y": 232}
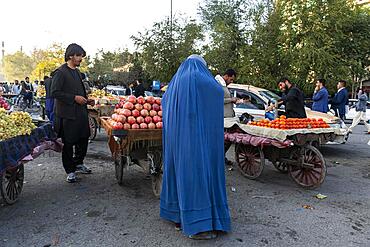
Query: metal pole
{"x": 171, "y": 20}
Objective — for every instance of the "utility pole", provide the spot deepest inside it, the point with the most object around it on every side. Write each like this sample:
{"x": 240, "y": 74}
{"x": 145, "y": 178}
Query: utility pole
{"x": 2, "y": 51}
{"x": 171, "y": 20}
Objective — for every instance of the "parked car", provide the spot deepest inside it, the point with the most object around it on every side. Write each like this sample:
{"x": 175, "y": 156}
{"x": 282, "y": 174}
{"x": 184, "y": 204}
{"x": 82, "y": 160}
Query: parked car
{"x": 260, "y": 99}
{"x": 352, "y": 109}
{"x": 116, "y": 90}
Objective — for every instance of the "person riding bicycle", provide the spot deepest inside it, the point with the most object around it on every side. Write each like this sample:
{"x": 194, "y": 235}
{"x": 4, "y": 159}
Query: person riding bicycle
{"x": 27, "y": 93}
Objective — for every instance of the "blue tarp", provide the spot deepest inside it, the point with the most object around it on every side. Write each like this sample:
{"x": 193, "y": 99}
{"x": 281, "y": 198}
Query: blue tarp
{"x": 15, "y": 149}
{"x": 194, "y": 190}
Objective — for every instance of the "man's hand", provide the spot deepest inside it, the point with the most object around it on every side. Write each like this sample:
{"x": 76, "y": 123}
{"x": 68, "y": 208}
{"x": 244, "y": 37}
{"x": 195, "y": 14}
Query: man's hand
{"x": 80, "y": 100}
{"x": 235, "y": 100}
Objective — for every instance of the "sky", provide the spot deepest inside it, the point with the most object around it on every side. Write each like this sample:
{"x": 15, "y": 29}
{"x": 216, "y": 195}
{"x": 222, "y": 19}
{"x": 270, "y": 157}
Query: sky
{"x": 106, "y": 24}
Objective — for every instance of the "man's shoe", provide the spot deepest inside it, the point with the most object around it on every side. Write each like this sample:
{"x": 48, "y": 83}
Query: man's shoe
{"x": 83, "y": 169}
{"x": 71, "y": 177}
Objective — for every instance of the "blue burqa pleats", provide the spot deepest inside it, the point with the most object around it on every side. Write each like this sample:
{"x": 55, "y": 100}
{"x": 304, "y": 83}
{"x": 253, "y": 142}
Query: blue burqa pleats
{"x": 194, "y": 189}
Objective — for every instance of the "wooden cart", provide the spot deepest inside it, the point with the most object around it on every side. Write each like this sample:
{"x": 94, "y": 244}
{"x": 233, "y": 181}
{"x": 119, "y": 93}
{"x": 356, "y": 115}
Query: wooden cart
{"x": 136, "y": 147}
{"x": 95, "y": 113}
{"x": 297, "y": 155}
{"x": 15, "y": 152}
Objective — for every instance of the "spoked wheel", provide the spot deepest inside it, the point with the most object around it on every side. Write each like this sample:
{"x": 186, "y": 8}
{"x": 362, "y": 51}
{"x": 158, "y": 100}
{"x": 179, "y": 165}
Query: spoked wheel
{"x": 93, "y": 124}
{"x": 157, "y": 172}
{"x": 11, "y": 183}
{"x": 281, "y": 166}
{"x": 250, "y": 160}
{"x": 312, "y": 171}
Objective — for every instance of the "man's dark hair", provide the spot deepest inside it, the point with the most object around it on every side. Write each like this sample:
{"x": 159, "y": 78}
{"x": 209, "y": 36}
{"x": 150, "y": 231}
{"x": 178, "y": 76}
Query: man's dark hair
{"x": 343, "y": 82}
{"x": 74, "y": 49}
{"x": 27, "y": 78}
{"x": 322, "y": 81}
{"x": 46, "y": 77}
{"x": 283, "y": 79}
{"x": 230, "y": 72}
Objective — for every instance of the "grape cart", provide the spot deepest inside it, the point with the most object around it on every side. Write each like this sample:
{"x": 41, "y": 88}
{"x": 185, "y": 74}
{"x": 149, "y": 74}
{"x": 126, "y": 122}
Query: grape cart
{"x": 17, "y": 151}
{"x": 95, "y": 113}
{"x": 291, "y": 151}
{"x": 142, "y": 147}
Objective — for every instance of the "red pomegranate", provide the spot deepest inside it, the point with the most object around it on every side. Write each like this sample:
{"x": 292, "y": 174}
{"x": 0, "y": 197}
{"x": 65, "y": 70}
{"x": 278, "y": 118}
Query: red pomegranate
{"x": 151, "y": 126}
{"x": 135, "y": 113}
{"x": 150, "y": 100}
{"x": 153, "y": 113}
{"x": 121, "y": 118}
{"x": 148, "y": 120}
{"x": 140, "y": 120}
{"x": 147, "y": 106}
{"x": 135, "y": 126}
{"x": 160, "y": 113}
{"x": 159, "y": 125}
{"x": 143, "y": 126}
{"x": 138, "y": 107}
{"x": 131, "y": 99}
{"x": 157, "y": 119}
{"x": 131, "y": 120}
{"x": 128, "y": 105}
{"x": 117, "y": 126}
{"x": 144, "y": 113}
{"x": 126, "y": 126}
{"x": 126, "y": 112}
{"x": 156, "y": 107}
{"x": 158, "y": 101}
{"x": 140, "y": 100}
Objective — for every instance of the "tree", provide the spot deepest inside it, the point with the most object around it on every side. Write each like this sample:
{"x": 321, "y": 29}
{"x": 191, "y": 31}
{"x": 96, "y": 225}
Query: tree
{"x": 49, "y": 60}
{"x": 227, "y": 23}
{"x": 17, "y": 66}
{"x": 164, "y": 47}
{"x": 111, "y": 67}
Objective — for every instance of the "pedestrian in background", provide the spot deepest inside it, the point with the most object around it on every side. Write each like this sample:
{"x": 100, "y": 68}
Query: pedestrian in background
{"x": 340, "y": 100}
{"x": 292, "y": 98}
{"x": 360, "y": 111}
{"x": 320, "y": 97}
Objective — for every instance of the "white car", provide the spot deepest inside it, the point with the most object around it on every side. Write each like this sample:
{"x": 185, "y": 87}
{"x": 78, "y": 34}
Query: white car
{"x": 116, "y": 90}
{"x": 352, "y": 111}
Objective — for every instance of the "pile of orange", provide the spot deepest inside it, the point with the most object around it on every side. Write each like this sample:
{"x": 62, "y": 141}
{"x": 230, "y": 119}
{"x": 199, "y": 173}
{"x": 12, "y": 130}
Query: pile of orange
{"x": 291, "y": 123}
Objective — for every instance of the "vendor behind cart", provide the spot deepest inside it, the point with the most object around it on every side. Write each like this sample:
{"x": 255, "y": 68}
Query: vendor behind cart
{"x": 293, "y": 99}
{"x": 225, "y": 80}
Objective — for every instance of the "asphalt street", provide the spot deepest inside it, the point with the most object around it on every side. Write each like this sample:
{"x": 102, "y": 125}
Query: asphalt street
{"x": 269, "y": 211}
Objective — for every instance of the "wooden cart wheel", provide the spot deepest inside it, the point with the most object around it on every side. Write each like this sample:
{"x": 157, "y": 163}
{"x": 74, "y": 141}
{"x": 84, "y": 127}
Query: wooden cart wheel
{"x": 250, "y": 160}
{"x": 93, "y": 127}
{"x": 121, "y": 166}
{"x": 311, "y": 173}
{"x": 158, "y": 176}
{"x": 281, "y": 166}
{"x": 11, "y": 184}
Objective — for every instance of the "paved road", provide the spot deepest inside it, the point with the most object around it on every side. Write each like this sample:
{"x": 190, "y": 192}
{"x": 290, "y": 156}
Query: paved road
{"x": 266, "y": 212}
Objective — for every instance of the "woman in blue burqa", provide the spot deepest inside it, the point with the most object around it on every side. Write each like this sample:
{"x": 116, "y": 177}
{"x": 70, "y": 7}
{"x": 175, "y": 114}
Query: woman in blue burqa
{"x": 194, "y": 191}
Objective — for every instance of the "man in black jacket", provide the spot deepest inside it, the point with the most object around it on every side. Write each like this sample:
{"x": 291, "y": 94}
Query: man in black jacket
{"x": 71, "y": 116}
{"x": 139, "y": 89}
{"x": 293, "y": 99}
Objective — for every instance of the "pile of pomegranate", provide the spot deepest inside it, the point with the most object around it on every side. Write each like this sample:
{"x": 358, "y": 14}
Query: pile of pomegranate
{"x": 137, "y": 113}
{"x": 4, "y": 104}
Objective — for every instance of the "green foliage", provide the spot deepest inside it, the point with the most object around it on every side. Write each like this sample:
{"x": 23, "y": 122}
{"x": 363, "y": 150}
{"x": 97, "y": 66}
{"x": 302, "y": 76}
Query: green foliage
{"x": 302, "y": 40}
{"x": 163, "y": 47}
{"x": 17, "y": 66}
{"x": 118, "y": 67}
